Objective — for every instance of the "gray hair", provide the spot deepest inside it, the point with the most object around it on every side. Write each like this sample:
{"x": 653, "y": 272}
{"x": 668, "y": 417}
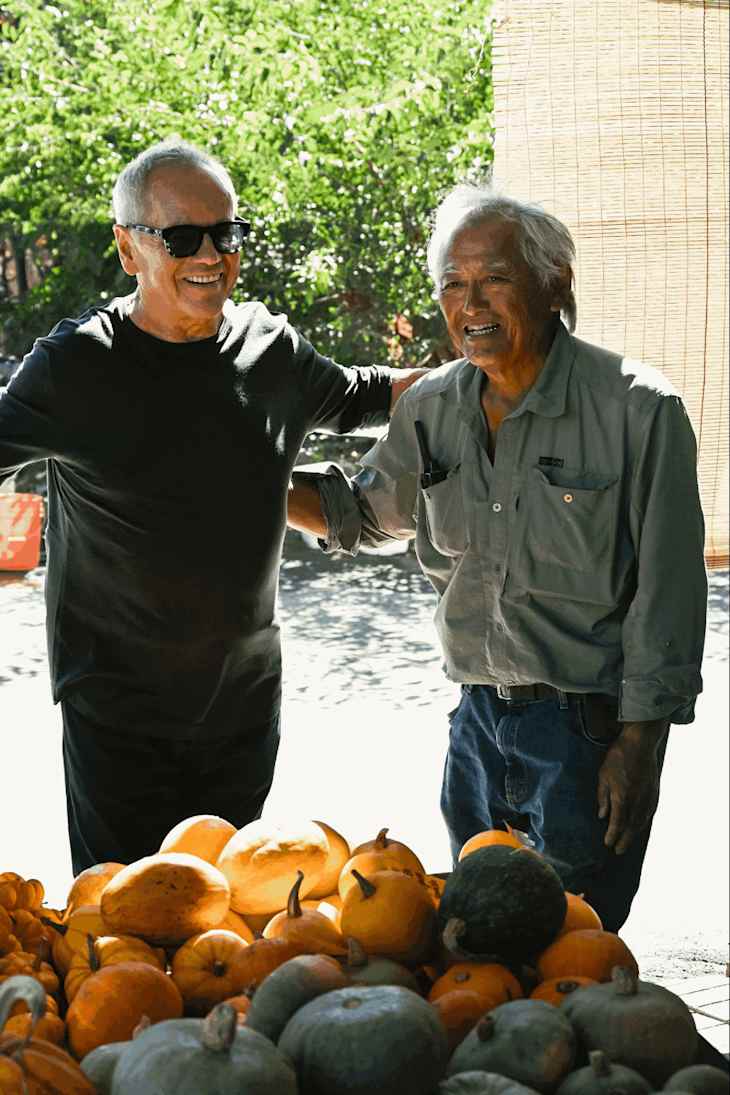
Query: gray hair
{"x": 545, "y": 243}
{"x": 128, "y": 195}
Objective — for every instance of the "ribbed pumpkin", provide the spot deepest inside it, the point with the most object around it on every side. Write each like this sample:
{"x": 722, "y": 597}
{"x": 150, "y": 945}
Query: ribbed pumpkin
{"x": 70, "y": 937}
{"x": 166, "y": 898}
{"x": 108, "y": 950}
{"x": 493, "y": 983}
{"x": 261, "y": 862}
{"x": 88, "y": 886}
{"x": 391, "y": 914}
{"x": 587, "y": 952}
{"x": 109, "y": 1004}
{"x": 205, "y": 835}
{"x": 579, "y": 915}
{"x": 381, "y": 854}
{"x": 311, "y": 929}
{"x": 487, "y": 837}
{"x": 208, "y": 968}
{"x": 51, "y": 1028}
{"x": 337, "y": 856}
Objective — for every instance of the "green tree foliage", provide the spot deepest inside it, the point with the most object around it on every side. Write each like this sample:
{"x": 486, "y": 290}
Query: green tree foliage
{"x": 341, "y": 121}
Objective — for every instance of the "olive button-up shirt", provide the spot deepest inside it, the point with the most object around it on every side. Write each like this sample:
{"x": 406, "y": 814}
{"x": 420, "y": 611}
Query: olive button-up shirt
{"x": 576, "y": 558}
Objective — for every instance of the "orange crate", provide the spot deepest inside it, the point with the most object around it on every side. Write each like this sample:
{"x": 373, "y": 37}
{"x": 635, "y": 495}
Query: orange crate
{"x": 21, "y": 524}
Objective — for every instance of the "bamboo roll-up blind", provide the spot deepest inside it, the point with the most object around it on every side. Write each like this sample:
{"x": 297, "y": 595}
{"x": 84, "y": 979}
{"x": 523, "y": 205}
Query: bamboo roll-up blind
{"x": 613, "y": 114}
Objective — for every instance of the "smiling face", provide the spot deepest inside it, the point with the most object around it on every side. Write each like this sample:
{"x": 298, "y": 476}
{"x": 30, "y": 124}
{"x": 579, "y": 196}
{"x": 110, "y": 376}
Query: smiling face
{"x": 497, "y": 314}
{"x": 180, "y": 300}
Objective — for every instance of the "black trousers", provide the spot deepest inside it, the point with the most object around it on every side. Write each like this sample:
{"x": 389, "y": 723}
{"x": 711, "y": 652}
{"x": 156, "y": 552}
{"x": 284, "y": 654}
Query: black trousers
{"x": 124, "y": 791}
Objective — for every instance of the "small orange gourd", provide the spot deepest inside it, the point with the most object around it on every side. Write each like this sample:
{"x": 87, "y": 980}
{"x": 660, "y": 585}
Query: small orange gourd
{"x": 556, "y": 989}
{"x": 208, "y": 968}
{"x": 506, "y": 836}
{"x": 311, "y": 929}
{"x": 381, "y": 854}
{"x": 579, "y": 915}
{"x": 492, "y": 982}
{"x": 390, "y": 914}
{"x": 459, "y": 1010}
{"x": 108, "y": 950}
{"x": 587, "y": 952}
{"x": 88, "y": 886}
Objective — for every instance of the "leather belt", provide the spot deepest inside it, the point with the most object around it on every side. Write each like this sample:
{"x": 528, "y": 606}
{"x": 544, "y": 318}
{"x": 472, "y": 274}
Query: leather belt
{"x": 527, "y": 693}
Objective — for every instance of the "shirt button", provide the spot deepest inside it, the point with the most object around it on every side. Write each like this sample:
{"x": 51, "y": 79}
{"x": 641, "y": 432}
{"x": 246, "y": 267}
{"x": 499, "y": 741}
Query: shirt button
{"x": 497, "y": 507}
{"x": 567, "y": 497}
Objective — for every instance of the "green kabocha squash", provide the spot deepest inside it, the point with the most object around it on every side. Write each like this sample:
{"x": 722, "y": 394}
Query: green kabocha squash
{"x": 639, "y": 1024}
{"x": 364, "y": 969}
{"x": 211, "y": 1056}
{"x": 380, "y": 1039}
{"x": 700, "y": 1080}
{"x": 526, "y": 1040}
{"x": 601, "y": 1077}
{"x": 501, "y": 903}
{"x": 288, "y": 988}
{"x": 481, "y": 1083}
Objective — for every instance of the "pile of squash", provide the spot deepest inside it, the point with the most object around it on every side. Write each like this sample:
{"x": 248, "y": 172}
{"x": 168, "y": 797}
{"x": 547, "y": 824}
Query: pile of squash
{"x": 276, "y": 960}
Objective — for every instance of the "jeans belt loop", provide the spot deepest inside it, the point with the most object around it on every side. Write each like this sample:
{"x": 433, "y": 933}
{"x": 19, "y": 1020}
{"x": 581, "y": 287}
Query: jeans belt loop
{"x": 562, "y": 699}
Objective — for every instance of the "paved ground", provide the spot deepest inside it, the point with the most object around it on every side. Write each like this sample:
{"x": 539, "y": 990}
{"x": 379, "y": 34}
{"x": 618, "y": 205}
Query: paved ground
{"x": 361, "y": 765}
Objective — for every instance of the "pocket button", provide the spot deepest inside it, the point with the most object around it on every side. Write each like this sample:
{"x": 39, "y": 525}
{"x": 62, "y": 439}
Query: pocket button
{"x": 568, "y": 498}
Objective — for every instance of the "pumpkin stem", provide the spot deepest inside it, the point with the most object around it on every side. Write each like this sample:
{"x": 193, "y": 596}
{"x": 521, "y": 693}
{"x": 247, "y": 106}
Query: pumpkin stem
{"x": 452, "y": 933}
{"x": 485, "y": 1028}
{"x": 564, "y": 987}
{"x": 381, "y": 840}
{"x": 293, "y": 906}
{"x": 368, "y": 890}
{"x": 356, "y": 956}
{"x": 625, "y": 982}
{"x": 219, "y": 1028}
{"x": 599, "y": 1062}
{"x": 219, "y": 968}
{"x": 94, "y": 963}
{"x": 142, "y": 1025}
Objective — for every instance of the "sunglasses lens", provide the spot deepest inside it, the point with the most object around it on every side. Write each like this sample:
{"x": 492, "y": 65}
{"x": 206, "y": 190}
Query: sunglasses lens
{"x": 228, "y": 238}
{"x": 183, "y": 240}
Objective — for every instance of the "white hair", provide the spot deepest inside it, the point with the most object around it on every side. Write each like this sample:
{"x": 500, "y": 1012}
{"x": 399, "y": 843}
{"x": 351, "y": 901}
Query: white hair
{"x": 545, "y": 243}
{"x": 130, "y": 189}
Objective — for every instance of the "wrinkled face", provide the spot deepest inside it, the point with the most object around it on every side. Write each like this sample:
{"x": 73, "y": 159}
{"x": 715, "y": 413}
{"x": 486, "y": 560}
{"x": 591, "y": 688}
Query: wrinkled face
{"x": 180, "y": 299}
{"x": 497, "y": 314}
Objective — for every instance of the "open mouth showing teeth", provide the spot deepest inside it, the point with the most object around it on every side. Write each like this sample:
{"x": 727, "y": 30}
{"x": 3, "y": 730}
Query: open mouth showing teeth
{"x": 486, "y": 329}
{"x": 209, "y": 280}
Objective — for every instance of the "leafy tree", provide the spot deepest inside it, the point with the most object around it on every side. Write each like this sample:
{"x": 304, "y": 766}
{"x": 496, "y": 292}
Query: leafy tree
{"x": 341, "y": 121}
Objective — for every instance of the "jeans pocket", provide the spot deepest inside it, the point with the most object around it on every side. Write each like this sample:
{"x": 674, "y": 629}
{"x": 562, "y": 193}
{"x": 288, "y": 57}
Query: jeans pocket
{"x": 596, "y": 719}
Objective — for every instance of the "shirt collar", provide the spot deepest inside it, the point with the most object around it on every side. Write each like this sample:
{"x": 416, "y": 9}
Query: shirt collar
{"x": 546, "y": 397}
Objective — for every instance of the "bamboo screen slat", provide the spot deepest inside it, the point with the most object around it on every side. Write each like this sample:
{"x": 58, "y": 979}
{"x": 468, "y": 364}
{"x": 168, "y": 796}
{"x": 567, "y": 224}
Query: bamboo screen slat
{"x": 614, "y": 115}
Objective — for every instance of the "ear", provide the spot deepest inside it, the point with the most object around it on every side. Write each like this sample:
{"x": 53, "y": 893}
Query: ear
{"x": 125, "y": 249}
{"x": 562, "y": 288}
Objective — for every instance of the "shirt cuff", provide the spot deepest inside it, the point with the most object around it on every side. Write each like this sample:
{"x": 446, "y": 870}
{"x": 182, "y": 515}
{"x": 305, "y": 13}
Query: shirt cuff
{"x": 649, "y": 698}
{"x": 339, "y": 507}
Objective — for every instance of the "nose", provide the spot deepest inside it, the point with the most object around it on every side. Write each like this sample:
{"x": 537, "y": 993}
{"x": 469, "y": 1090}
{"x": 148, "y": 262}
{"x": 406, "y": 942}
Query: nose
{"x": 207, "y": 252}
{"x": 476, "y": 296}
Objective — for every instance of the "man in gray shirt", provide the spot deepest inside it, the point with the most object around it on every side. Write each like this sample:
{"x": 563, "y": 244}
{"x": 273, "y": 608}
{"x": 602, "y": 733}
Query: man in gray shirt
{"x": 551, "y": 489}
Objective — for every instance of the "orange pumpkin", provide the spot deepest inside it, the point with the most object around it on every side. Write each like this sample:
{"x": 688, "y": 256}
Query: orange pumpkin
{"x": 31, "y": 965}
{"x": 506, "y": 836}
{"x": 337, "y": 856}
{"x": 459, "y": 1010}
{"x": 390, "y": 914}
{"x": 88, "y": 886}
{"x": 109, "y": 950}
{"x": 205, "y": 835}
{"x": 70, "y": 937}
{"x": 330, "y": 906}
{"x": 492, "y": 982}
{"x": 263, "y": 956}
{"x": 50, "y": 1028}
{"x": 311, "y": 929}
{"x": 43, "y": 1068}
{"x": 579, "y": 915}
{"x": 233, "y": 922}
{"x": 29, "y": 931}
{"x": 262, "y": 859}
{"x": 587, "y": 952}
{"x": 555, "y": 990}
{"x": 208, "y": 968}
{"x": 110, "y": 1003}
{"x": 381, "y": 854}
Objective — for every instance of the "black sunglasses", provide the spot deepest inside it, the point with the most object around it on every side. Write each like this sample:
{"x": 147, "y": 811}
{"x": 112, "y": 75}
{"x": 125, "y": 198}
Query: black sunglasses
{"x": 182, "y": 240}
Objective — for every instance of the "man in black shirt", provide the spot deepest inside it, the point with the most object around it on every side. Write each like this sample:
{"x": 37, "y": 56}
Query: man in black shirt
{"x": 157, "y": 413}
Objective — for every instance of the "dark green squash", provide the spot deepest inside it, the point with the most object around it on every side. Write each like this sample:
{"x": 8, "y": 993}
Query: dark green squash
{"x": 642, "y": 1025}
{"x": 602, "y": 1077}
{"x": 526, "y": 1040}
{"x": 369, "y": 1040}
{"x": 502, "y": 903}
{"x": 363, "y": 969}
{"x": 700, "y": 1080}
{"x": 481, "y": 1083}
{"x": 288, "y": 988}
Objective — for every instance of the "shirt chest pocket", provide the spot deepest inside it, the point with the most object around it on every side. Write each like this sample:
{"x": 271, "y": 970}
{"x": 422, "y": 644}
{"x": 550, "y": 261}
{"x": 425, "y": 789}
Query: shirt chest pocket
{"x": 569, "y": 532}
{"x": 444, "y": 511}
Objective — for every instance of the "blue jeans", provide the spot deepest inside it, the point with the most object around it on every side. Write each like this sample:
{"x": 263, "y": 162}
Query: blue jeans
{"x": 535, "y": 766}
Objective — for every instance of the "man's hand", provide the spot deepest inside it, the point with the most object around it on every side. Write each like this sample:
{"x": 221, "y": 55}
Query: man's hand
{"x": 628, "y": 782}
{"x": 400, "y": 380}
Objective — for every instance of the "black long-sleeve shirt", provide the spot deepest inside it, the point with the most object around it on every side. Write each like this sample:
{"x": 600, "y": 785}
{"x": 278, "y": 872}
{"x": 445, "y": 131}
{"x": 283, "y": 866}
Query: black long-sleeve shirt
{"x": 168, "y": 469}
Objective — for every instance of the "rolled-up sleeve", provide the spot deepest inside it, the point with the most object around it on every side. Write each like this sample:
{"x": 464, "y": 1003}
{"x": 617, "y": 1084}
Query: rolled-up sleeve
{"x": 664, "y": 628}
